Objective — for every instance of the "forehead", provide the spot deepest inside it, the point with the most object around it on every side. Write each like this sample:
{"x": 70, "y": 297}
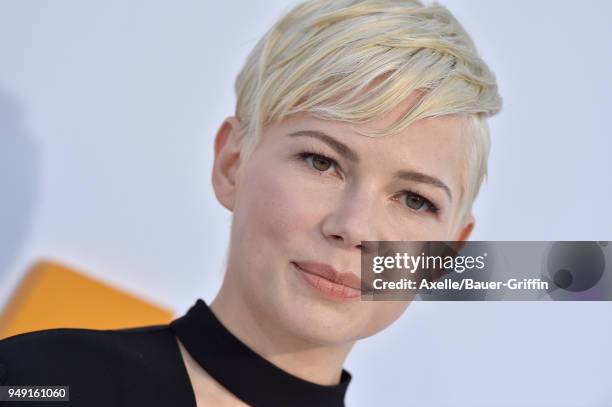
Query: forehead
{"x": 437, "y": 145}
{"x": 436, "y": 137}
{"x": 445, "y": 128}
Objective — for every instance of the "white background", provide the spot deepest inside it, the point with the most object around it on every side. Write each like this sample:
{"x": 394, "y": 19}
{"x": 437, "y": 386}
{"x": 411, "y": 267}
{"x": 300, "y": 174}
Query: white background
{"x": 108, "y": 111}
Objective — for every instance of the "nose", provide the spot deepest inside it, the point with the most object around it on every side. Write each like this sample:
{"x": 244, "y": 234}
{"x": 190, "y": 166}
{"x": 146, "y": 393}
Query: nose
{"x": 351, "y": 221}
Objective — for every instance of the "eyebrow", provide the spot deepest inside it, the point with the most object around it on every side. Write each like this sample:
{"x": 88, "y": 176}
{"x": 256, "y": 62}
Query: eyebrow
{"x": 346, "y": 152}
{"x": 340, "y": 147}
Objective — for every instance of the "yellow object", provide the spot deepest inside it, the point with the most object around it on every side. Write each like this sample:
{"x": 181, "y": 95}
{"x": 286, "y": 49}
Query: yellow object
{"x": 54, "y": 296}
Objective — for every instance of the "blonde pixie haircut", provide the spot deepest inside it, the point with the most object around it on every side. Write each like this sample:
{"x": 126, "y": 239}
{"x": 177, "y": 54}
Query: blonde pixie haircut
{"x": 354, "y": 60}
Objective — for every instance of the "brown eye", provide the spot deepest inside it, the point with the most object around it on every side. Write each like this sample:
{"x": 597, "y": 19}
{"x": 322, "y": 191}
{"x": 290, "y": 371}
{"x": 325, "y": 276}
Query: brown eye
{"x": 320, "y": 163}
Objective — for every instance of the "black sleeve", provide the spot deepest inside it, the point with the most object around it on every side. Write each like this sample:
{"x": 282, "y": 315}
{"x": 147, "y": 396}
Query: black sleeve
{"x": 140, "y": 366}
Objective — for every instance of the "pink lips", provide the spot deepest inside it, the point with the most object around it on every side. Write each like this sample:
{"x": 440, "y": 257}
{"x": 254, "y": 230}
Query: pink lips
{"x": 328, "y": 281}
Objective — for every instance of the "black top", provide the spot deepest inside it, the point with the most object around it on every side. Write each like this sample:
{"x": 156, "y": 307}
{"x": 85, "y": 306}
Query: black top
{"x": 143, "y": 366}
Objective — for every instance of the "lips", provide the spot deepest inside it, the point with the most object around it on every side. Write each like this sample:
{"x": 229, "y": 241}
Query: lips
{"x": 329, "y": 273}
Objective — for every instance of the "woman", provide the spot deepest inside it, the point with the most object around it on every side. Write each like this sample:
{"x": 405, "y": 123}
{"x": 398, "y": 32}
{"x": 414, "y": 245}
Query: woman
{"x": 355, "y": 121}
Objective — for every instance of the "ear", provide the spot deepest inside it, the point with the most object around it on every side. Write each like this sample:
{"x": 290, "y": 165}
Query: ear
{"x": 227, "y": 162}
{"x": 465, "y": 230}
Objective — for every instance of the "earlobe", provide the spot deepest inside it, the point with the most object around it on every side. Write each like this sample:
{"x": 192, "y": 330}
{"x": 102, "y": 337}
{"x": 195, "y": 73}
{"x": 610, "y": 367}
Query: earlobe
{"x": 466, "y": 229}
{"x": 226, "y": 162}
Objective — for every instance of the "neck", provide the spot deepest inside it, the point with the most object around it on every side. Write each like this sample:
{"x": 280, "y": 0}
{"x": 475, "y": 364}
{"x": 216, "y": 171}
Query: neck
{"x": 317, "y": 363}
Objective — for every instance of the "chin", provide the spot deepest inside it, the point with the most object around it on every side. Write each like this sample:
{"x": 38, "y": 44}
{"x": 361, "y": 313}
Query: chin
{"x": 313, "y": 320}
{"x": 322, "y": 330}
{"x": 310, "y": 316}
{"x": 325, "y": 323}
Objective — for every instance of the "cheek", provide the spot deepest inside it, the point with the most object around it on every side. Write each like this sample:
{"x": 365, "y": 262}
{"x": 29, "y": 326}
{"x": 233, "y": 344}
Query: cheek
{"x": 412, "y": 228}
{"x": 272, "y": 205}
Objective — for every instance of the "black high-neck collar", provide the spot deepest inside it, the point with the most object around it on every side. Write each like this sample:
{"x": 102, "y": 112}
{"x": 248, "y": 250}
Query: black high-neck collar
{"x": 245, "y": 373}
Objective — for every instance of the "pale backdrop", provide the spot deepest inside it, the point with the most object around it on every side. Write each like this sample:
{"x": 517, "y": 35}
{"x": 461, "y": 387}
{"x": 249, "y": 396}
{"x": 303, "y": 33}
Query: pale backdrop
{"x": 107, "y": 115}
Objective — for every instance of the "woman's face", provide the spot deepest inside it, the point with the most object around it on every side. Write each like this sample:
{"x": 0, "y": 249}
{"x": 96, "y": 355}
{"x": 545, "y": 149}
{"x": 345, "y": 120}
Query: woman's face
{"x": 311, "y": 191}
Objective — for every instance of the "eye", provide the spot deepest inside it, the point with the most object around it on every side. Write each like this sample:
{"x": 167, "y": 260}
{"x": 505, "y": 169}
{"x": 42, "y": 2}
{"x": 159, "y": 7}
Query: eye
{"x": 318, "y": 161}
{"x": 419, "y": 203}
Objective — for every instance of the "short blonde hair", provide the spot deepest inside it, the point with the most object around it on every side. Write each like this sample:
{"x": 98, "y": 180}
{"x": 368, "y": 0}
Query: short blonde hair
{"x": 354, "y": 60}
